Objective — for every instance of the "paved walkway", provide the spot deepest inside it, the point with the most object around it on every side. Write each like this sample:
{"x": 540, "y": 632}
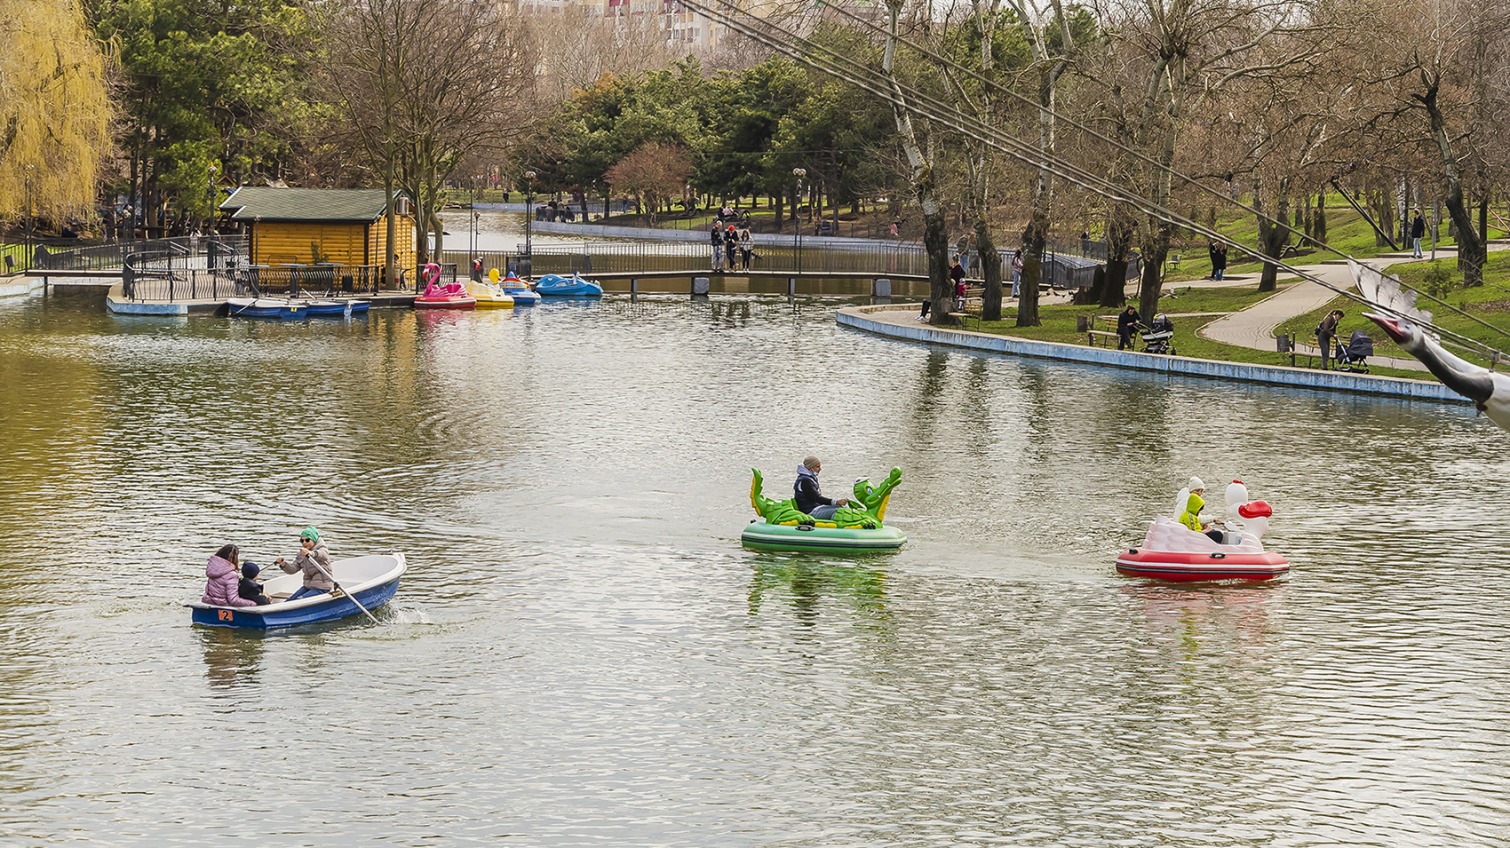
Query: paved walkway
{"x": 1254, "y": 327}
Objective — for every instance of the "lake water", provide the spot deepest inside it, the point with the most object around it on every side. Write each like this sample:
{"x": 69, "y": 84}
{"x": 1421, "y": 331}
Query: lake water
{"x": 582, "y": 654}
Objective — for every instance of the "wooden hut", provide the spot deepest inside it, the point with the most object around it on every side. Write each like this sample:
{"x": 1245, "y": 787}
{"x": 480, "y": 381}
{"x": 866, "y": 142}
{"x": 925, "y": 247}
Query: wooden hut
{"x": 303, "y": 226}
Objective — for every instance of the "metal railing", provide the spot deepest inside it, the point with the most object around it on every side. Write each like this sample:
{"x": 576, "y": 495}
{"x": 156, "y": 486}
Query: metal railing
{"x": 1071, "y": 267}
{"x": 164, "y": 277}
{"x": 113, "y": 255}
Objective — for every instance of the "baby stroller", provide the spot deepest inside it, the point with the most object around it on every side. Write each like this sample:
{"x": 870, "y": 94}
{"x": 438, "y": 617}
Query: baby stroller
{"x": 1158, "y": 335}
{"x": 1354, "y": 357}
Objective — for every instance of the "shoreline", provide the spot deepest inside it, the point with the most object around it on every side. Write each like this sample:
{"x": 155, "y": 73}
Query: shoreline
{"x": 873, "y": 319}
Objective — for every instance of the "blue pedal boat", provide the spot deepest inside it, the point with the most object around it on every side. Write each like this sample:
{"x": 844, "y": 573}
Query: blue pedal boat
{"x": 265, "y": 307}
{"x": 372, "y": 579}
{"x": 555, "y": 285}
{"x": 339, "y": 308}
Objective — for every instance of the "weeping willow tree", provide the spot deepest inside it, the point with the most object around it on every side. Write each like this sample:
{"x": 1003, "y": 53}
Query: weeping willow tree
{"x": 55, "y": 110}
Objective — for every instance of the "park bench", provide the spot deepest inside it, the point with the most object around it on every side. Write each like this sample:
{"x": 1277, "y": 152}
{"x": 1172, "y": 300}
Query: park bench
{"x": 1097, "y": 337}
{"x": 974, "y": 306}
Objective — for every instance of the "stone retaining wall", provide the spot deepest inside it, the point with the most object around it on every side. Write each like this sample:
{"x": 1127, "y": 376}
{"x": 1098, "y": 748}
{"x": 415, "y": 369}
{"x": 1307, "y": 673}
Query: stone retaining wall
{"x": 1277, "y": 375}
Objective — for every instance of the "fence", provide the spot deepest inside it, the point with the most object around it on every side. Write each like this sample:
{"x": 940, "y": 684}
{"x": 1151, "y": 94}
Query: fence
{"x": 112, "y": 256}
{"x": 164, "y": 276}
{"x": 1064, "y": 265}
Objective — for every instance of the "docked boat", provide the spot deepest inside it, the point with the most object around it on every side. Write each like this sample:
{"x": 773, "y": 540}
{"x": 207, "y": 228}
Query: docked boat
{"x": 555, "y": 285}
{"x": 489, "y": 295}
{"x": 337, "y": 308}
{"x": 1171, "y": 551}
{"x": 519, "y": 290}
{"x": 265, "y": 307}
{"x": 780, "y": 526}
{"x": 436, "y": 296}
{"x": 372, "y": 580}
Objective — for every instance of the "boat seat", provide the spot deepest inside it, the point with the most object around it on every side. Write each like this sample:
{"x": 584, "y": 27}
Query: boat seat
{"x": 280, "y": 596}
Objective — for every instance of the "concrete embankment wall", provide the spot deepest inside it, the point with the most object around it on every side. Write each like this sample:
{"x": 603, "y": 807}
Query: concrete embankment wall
{"x": 19, "y": 286}
{"x": 861, "y": 318}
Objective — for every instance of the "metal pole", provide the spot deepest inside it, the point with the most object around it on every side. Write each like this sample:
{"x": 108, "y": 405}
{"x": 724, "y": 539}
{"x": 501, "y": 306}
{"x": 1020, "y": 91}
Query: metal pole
{"x": 799, "y": 173}
{"x": 29, "y": 220}
{"x": 529, "y": 214}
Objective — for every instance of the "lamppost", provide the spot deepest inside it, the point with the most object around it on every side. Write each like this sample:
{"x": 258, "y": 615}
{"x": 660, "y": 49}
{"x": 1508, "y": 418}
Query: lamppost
{"x": 529, "y": 213}
{"x": 797, "y": 174}
{"x": 210, "y": 226}
{"x": 30, "y": 225}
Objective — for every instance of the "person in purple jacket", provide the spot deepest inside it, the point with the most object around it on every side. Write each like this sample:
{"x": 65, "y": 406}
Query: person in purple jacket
{"x": 222, "y": 581}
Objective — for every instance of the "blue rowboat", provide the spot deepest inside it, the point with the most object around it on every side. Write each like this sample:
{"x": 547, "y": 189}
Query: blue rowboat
{"x": 265, "y": 307}
{"x": 337, "y": 308}
{"x": 516, "y": 288}
{"x": 373, "y": 580}
{"x": 555, "y": 285}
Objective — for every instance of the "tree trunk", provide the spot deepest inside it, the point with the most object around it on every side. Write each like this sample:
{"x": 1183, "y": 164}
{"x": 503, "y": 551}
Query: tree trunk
{"x": 1271, "y": 237}
{"x": 1032, "y": 270}
{"x": 1155, "y": 250}
{"x": 990, "y": 266}
{"x": 940, "y": 287}
{"x": 1119, "y": 236}
{"x": 1471, "y": 249}
{"x": 1318, "y": 221}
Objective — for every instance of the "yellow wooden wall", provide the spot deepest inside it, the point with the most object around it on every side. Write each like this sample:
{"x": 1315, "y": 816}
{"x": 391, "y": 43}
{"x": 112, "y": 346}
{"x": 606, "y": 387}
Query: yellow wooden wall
{"x": 286, "y": 243}
{"x": 377, "y": 242}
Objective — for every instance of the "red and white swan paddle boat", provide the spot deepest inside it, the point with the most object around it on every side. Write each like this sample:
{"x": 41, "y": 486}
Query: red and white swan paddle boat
{"x": 1174, "y": 552}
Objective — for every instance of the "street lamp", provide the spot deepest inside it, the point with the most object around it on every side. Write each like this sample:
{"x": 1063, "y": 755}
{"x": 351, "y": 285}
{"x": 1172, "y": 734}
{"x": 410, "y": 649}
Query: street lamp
{"x": 798, "y": 174}
{"x": 30, "y": 225}
{"x": 529, "y": 213}
{"x": 210, "y": 227}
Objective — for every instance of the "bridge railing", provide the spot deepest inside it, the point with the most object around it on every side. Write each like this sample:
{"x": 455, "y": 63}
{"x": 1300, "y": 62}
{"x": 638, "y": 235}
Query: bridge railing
{"x": 164, "y": 277}
{"x": 1066, "y": 263}
{"x": 112, "y": 256}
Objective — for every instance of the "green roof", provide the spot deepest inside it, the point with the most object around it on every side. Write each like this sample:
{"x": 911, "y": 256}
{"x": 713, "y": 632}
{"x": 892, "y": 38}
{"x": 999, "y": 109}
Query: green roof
{"x": 259, "y": 203}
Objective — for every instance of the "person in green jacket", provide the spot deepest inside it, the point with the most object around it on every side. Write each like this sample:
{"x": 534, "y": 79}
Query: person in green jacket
{"x": 1191, "y": 517}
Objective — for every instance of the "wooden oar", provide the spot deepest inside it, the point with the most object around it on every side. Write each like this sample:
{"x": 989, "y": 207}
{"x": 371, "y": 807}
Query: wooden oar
{"x": 332, "y": 579}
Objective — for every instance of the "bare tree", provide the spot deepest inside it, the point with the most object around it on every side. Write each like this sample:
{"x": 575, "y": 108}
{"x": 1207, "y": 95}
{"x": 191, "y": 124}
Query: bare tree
{"x": 1162, "y": 58}
{"x": 654, "y": 173}
{"x": 423, "y": 84}
{"x": 918, "y": 148}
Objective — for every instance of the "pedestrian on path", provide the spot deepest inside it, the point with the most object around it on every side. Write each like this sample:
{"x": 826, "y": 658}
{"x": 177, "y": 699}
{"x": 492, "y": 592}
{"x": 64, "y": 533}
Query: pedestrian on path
{"x": 718, "y": 247}
{"x": 1016, "y": 272}
{"x": 1417, "y": 231}
{"x": 1218, "y": 261}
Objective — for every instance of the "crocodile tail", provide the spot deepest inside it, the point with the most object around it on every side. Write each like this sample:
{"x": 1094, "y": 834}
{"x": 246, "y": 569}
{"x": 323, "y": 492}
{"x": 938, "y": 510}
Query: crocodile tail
{"x": 755, "y": 486}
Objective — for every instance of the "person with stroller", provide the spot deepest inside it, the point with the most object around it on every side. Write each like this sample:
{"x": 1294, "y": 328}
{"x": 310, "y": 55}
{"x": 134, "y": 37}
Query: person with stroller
{"x": 1127, "y": 322}
{"x": 1326, "y": 335}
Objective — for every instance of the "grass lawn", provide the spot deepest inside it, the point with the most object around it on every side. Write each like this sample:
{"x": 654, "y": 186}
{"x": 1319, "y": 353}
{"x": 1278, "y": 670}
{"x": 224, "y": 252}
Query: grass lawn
{"x": 1346, "y": 231}
{"x": 1059, "y": 322}
{"x": 1489, "y": 302}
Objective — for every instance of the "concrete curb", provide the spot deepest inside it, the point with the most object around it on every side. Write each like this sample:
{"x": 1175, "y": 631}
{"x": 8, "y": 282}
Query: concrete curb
{"x": 1275, "y": 375}
{"x": 21, "y": 287}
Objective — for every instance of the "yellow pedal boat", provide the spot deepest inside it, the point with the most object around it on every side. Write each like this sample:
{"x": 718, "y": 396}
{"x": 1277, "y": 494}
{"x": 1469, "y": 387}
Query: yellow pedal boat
{"x": 489, "y": 295}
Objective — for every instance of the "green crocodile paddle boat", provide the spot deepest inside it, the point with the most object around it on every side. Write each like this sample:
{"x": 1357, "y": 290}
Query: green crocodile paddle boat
{"x": 857, "y": 527}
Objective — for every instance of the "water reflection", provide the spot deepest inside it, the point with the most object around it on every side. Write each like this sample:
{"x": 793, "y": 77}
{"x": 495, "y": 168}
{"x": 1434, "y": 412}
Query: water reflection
{"x": 804, "y": 582}
{"x": 232, "y": 658}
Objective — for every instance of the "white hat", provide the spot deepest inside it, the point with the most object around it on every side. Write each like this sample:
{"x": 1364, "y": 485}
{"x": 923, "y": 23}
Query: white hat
{"x": 1195, "y": 483}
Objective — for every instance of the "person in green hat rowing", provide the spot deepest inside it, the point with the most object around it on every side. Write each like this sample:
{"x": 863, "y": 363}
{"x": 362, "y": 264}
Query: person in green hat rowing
{"x": 311, "y": 552}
